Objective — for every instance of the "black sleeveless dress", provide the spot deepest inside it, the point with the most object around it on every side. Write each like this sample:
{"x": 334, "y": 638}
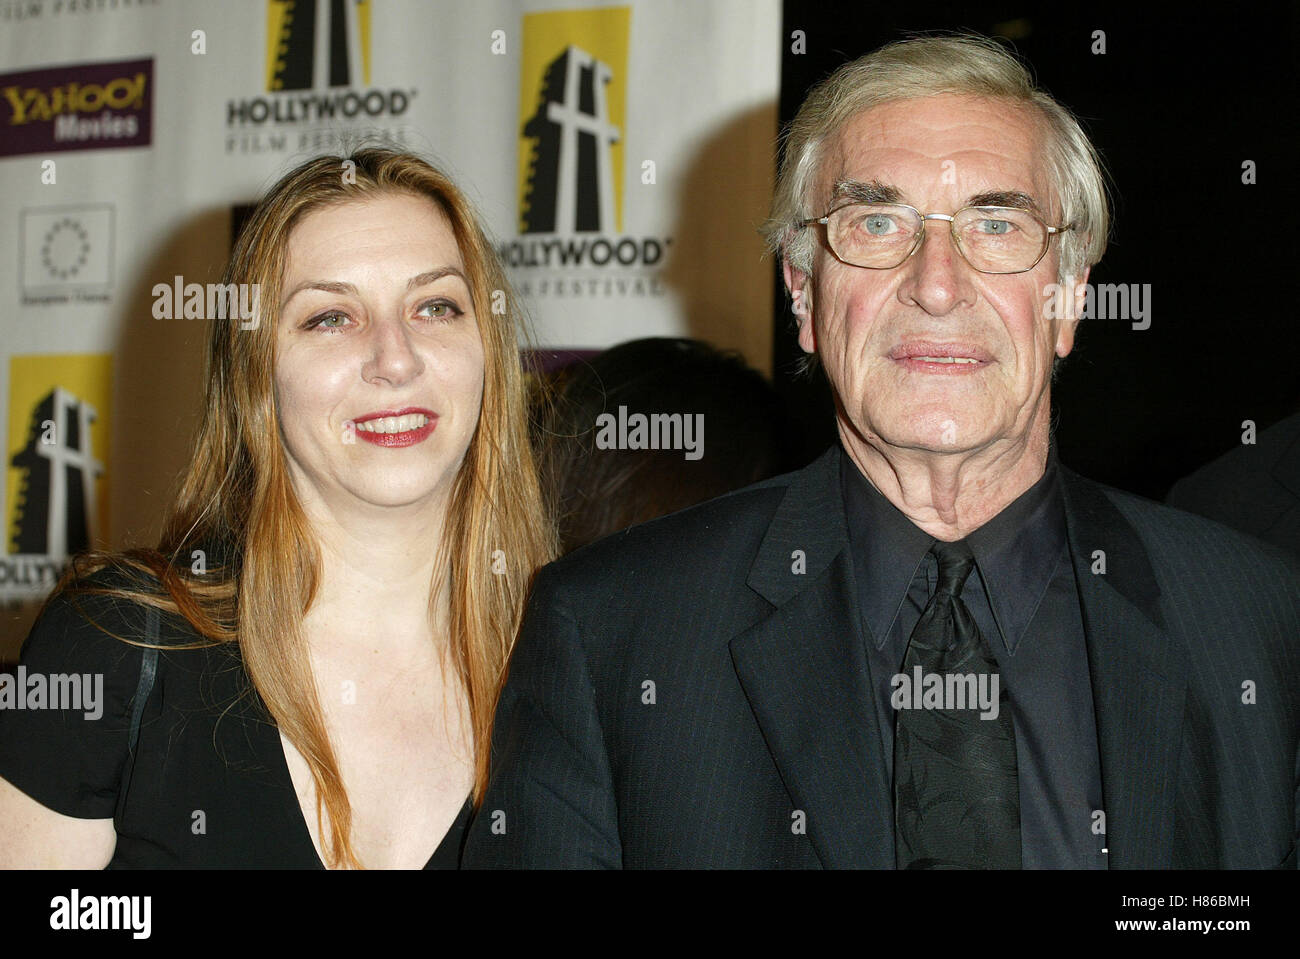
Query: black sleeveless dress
{"x": 207, "y": 784}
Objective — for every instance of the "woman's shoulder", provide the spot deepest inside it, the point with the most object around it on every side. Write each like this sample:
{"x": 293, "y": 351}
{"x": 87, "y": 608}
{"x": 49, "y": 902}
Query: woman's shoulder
{"x": 65, "y": 711}
{"x": 102, "y": 622}
{"x": 98, "y": 615}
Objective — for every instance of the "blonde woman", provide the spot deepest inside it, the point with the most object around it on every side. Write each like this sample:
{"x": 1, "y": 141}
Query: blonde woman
{"x": 304, "y": 672}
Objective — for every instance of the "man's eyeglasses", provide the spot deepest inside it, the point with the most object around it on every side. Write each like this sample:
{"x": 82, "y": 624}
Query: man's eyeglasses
{"x": 992, "y": 239}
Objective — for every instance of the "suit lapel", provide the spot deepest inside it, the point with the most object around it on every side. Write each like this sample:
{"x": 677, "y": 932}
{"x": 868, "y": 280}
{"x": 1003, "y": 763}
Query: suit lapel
{"x": 1287, "y": 468}
{"x": 804, "y": 672}
{"x": 1138, "y": 679}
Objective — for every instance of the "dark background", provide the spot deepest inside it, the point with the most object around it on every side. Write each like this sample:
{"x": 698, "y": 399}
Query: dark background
{"x": 1179, "y": 100}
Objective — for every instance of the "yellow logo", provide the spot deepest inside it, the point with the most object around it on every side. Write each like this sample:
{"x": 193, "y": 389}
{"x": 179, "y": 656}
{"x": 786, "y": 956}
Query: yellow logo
{"x": 122, "y": 93}
{"x": 313, "y": 44}
{"x": 57, "y": 490}
{"x": 573, "y": 106}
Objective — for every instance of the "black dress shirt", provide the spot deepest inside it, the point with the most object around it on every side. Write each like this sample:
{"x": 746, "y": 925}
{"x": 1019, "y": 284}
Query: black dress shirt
{"x": 1026, "y": 603}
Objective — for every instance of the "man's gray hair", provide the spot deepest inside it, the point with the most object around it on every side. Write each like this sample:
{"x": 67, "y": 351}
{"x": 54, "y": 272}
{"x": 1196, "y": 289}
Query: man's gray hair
{"x": 926, "y": 66}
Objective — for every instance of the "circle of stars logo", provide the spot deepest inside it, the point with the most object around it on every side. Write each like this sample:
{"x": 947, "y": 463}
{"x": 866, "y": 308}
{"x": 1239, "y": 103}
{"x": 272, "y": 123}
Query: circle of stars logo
{"x": 65, "y": 248}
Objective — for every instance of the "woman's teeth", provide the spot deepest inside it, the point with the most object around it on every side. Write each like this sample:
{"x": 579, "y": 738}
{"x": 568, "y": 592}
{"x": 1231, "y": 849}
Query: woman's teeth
{"x": 394, "y": 424}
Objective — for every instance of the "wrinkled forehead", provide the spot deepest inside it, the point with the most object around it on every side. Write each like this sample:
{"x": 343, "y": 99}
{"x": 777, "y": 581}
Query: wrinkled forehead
{"x": 939, "y": 151}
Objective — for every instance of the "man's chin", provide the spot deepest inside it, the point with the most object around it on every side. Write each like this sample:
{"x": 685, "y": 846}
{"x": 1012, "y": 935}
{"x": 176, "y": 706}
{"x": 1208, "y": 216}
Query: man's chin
{"x": 935, "y": 432}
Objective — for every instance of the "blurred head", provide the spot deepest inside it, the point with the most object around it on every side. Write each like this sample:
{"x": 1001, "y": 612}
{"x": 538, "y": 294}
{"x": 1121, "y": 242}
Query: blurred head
{"x": 738, "y": 425}
{"x": 933, "y": 355}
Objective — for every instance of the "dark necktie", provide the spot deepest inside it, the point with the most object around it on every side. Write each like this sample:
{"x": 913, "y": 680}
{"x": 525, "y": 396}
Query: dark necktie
{"x": 956, "y": 796}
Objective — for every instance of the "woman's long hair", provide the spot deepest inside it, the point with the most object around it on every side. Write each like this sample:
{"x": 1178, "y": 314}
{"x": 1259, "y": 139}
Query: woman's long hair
{"x": 236, "y": 501}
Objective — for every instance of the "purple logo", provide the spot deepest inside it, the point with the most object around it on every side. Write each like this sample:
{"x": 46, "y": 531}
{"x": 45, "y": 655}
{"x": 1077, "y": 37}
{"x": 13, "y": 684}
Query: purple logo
{"x": 84, "y": 106}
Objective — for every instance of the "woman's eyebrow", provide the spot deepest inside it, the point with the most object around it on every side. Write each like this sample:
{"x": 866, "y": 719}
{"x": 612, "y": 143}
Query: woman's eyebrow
{"x": 347, "y": 289}
{"x": 431, "y": 276}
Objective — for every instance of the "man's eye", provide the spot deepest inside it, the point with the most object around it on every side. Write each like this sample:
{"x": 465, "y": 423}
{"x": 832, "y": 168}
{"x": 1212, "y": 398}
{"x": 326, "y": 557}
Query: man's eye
{"x": 995, "y": 227}
{"x": 877, "y": 224}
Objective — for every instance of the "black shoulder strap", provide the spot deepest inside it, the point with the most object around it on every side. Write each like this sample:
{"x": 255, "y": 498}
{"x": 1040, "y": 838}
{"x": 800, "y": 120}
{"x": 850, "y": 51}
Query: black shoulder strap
{"x": 148, "y": 671}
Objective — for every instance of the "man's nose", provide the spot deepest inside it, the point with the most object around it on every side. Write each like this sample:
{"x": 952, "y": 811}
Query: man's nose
{"x": 939, "y": 278}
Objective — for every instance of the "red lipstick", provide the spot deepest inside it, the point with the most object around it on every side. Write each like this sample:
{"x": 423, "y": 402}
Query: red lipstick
{"x": 387, "y": 434}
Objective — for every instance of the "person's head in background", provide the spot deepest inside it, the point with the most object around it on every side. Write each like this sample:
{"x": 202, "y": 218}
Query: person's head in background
{"x": 729, "y": 431}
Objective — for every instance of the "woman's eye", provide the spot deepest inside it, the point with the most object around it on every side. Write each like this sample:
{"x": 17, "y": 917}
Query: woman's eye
{"x": 328, "y": 321}
{"x": 440, "y": 310}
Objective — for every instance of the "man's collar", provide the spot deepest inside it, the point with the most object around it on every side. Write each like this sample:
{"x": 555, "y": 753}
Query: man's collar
{"x": 1016, "y": 551}
{"x": 886, "y": 546}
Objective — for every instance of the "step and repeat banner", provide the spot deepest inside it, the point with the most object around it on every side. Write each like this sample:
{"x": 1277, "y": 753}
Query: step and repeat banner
{"x": 622, "y": 155}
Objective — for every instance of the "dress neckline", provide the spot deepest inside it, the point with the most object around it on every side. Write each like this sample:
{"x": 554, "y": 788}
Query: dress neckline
{"x": 276, "y": 746}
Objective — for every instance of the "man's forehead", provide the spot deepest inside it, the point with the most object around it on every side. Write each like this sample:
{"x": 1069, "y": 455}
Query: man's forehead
{"x": 922, "y": 147}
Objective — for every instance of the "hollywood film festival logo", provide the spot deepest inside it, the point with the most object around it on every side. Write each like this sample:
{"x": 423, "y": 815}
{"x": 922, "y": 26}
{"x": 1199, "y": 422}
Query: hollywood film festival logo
{"x": 54, "y": 515}
{"x": 317, "y": 83}
{"x": 571, "y": 243}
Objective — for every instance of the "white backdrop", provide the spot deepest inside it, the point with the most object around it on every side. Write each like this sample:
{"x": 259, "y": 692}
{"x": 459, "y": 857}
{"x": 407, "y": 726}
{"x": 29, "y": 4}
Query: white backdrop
{"x": 129, "y": 130}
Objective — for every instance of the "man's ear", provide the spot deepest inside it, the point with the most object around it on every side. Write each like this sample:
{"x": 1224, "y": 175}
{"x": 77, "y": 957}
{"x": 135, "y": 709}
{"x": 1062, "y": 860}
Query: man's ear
{"x": 1070, "y": 325}
{"x": 796, "y": 281}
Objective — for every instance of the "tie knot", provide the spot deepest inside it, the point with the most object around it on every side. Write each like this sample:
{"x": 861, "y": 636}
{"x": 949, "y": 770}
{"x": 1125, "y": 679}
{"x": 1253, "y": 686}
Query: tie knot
{"x": 955, "y": 563}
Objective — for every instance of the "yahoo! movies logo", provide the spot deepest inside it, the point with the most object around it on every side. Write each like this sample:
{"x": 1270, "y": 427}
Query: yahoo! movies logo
{"x": 573, "y": 129}
{"x": 86, "y": 106}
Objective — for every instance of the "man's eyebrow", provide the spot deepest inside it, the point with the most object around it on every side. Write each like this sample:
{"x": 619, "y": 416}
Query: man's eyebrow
{"x": 347, "y": 289}
{"x": 873, "y": 191}
{"x": 1006, "y": 198}
{"x": 866, "y": 191}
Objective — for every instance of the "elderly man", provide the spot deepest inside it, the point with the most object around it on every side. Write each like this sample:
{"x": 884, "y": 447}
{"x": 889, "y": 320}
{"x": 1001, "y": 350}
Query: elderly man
{"x": 935, "y": 647}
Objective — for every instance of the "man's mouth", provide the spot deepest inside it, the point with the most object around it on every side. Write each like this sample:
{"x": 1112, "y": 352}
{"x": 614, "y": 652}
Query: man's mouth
{"x": 931, "y": 357}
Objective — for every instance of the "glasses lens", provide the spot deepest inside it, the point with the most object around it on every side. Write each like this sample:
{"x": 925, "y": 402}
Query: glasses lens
{"x": 877, "y": 235}
{"x": 1000, "y": 239}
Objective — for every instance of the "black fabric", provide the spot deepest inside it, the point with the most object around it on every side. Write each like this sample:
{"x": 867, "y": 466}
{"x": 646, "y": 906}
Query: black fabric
{"x": 693, "y": 692}
{"x": 1254, "y": 488}
{"x": 1025, "y": 599}
{"x": 956, "y": 795}
{"x": 208, "y": 782}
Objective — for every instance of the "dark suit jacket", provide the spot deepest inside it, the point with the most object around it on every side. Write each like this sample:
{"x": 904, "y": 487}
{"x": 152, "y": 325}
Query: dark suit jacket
{"x": 682, "y": 695}
{"x": 1255, "y": 489}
